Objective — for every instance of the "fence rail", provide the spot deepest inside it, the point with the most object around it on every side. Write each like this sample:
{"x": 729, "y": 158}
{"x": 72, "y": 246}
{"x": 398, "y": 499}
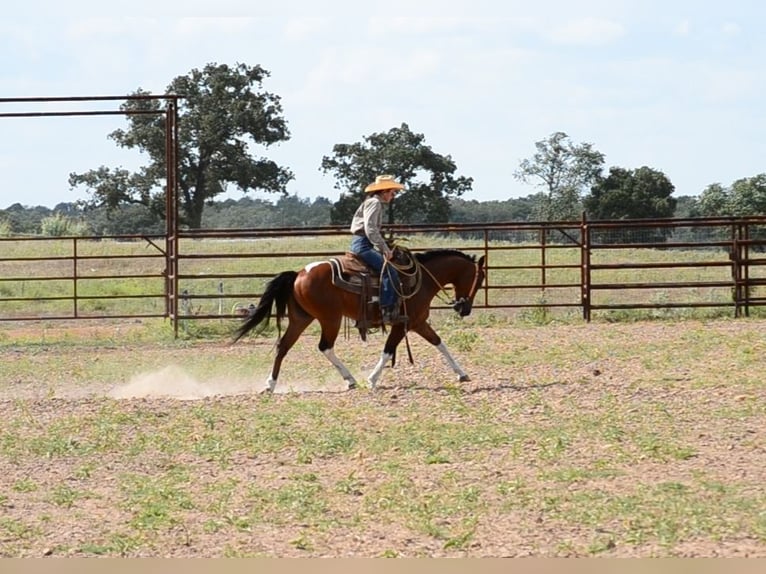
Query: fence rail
{"x": 583, "y": 267}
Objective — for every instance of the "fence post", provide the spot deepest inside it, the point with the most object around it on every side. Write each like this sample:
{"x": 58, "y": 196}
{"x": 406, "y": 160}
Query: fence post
{"x": 486, "y": 267}
{"x": 74, "y": 278}
{"x": 736, "y": 269}
{"x": 171, "y": 210}
{"x": 585, "y": 279}
{"x": 543, "y": 244}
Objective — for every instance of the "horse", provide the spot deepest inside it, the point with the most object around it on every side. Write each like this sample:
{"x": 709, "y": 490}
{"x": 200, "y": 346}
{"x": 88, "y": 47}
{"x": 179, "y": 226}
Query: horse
{"x": 311, "y": 294}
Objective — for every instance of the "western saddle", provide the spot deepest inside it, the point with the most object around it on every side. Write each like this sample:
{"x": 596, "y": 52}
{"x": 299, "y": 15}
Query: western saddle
{"x": 352, "y": 274}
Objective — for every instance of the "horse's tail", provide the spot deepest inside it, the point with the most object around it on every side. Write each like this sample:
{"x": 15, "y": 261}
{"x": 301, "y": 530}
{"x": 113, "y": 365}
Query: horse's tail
{"x": 277, "y": 293}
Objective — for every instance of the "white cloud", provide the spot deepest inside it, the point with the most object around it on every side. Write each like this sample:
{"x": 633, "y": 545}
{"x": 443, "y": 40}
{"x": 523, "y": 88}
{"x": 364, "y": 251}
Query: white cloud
{"x": 727, "y": 85}
{"x": 586, "y": 32}
{"x": 225, "y": 27}
{"x": 86, "y": 29}
{"x": 368, "y": 70}
{"x": 683, "y": 28}
{"x": 412, "y": 26}
{"x": 731, "y": 29}
{"x": 417, "y": 65}
{"x": 298, "y": 29}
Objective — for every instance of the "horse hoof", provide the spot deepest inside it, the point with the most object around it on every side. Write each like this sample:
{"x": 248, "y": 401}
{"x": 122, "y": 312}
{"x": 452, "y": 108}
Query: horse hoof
{"x": 464, "y": 379}
{"x": 266, "y": 391}
{"x": 351, "y": 385}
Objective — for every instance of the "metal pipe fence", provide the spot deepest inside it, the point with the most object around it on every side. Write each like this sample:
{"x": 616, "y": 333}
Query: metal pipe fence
{"x": 62, "y": 264}
{"x": 117, "y": 277}
{"x": 581, "y": 269}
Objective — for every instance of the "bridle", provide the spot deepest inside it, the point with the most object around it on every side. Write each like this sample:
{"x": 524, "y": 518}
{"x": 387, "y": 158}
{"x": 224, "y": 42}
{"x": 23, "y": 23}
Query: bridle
{"x": 458, "y": 305}
{"x": 461, "y": 306}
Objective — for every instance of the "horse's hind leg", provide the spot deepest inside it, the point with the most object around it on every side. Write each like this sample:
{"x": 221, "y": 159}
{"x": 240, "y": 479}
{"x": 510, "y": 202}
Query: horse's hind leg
{"x": 330, "y": 331}
{"x": 297, "y": 324}
{"x": 389, "y": 349}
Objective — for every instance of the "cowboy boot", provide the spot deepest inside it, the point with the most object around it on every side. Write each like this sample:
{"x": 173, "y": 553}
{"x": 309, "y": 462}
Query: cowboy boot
{"x": 390, "y": 314}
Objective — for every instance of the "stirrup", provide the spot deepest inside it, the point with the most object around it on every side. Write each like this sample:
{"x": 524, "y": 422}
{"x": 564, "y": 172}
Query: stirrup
{"x": 391, "y": 316}
{"x": 387, "y": 315}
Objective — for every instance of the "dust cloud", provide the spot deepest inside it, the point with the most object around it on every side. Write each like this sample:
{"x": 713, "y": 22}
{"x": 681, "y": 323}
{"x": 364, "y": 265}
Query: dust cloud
{"x": 174, "y": 382}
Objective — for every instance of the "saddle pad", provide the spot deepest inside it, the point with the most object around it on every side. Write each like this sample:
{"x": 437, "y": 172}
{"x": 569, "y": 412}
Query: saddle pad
{"x": 347, "y": 272}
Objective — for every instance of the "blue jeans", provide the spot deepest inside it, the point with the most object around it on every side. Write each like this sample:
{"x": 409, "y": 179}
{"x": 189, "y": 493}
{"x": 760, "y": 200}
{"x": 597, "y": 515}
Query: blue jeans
{"x": 372, "y": 257}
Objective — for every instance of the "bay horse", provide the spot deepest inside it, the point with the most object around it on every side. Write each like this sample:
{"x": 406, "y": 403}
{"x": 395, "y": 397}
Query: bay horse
{"x": 310, "y": 294}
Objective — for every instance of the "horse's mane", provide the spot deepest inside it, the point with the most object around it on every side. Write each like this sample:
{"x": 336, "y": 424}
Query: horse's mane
{"x": 427, "y": 256}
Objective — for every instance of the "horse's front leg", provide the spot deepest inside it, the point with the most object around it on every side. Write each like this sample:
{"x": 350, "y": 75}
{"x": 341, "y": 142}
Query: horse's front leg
{"x": 462, "y": 376}
{"x": 394, "y": 338}
{"x": 425, "y": 331}
{"x": 330, "y": 331}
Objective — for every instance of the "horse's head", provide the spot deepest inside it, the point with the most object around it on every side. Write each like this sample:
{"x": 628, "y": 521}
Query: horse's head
{"x": 466, "y": 285}
{"x": 463, "y": 272}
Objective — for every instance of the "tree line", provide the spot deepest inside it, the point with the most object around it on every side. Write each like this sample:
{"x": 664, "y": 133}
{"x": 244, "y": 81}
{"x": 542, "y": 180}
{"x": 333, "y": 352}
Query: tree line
{"x": 67, "y": 219}
{"x": 226, "y": 117}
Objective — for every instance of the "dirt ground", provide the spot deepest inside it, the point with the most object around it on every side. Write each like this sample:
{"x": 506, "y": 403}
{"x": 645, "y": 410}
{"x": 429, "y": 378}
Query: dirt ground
{"x": 724, "y": 447}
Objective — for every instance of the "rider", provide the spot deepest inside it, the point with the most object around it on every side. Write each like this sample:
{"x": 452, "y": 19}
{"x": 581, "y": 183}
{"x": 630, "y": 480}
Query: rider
{"x": 368, "y": 242}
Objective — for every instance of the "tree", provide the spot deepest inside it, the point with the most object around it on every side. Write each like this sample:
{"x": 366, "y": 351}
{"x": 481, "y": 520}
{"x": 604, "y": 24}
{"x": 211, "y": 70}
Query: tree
{"x": 25, "y": 220}
{"x": 643, "y": 193}
{"x": 687, "y": 206}
{"x": 631, "y": 194}
{"x": 714, "y": 201}
{"x": 746, "y": 196}
{"x": 562, "y": 169}
{"x": 294, "y": 211}
{"x": 518, "y": 209}
{"x": 220, "y": 116}
{"x": 130, "y": 219}
{"x": 428, "y": 176}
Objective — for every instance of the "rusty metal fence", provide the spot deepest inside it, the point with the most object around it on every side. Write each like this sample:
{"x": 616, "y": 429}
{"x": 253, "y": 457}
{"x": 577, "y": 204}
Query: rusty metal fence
{"x": 94, "y": 277}
{"x": 57, "y": 278}
{"x": 580, "y": 269}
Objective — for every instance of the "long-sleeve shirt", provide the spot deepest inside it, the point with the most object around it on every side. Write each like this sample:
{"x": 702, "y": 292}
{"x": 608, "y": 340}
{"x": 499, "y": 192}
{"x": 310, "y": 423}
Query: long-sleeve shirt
{"x": 368, "y": 219}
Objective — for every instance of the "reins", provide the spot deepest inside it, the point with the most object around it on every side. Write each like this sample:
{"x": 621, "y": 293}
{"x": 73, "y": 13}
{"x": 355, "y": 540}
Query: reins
{"x": 417, "y": 267}
{"x": 402, "y": 269}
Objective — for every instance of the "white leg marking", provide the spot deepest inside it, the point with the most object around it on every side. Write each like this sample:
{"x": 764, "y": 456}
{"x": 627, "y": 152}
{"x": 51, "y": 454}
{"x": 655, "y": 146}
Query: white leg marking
{"x": 378, "y": 370}
{"x": 462, "y": 376}
{"x": 271, "y": 383}
{"x": 344, "y": 372}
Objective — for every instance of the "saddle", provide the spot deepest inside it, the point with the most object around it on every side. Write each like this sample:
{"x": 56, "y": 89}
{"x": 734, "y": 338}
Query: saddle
{"x": 352, "y": 274}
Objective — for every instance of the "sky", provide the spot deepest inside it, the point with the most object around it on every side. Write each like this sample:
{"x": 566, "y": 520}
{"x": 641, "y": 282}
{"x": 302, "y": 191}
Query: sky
{"x": 674, "y": 85}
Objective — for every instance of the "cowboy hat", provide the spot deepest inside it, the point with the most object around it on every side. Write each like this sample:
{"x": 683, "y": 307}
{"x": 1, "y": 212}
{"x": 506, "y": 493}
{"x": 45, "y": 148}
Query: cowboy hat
{"x": 383, "y": 182}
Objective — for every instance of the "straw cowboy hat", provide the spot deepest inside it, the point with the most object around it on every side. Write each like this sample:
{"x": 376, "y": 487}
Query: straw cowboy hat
{"x": 383, "y": 182}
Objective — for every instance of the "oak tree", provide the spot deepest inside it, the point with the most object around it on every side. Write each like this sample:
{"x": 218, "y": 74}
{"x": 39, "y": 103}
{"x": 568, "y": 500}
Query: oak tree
{"x": 223, "y": 112}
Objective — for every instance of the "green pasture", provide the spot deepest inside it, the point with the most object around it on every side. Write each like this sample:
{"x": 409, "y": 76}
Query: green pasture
{"x": 219, "y": 275}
